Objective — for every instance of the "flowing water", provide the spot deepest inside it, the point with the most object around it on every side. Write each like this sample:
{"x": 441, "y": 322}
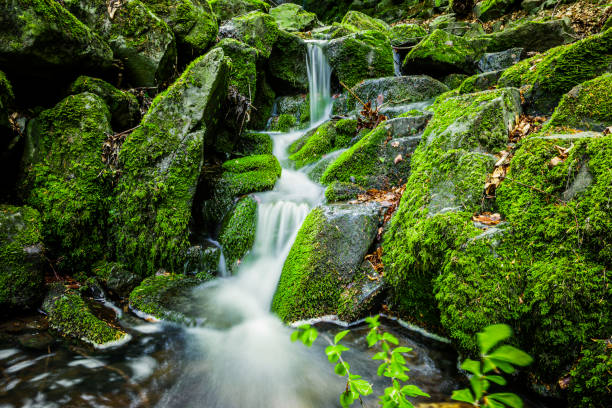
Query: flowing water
{"x": 240, "y": 355}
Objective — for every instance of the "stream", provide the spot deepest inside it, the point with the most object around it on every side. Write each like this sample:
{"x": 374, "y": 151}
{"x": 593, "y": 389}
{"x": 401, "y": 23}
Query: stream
{"x": 240, "y": 355}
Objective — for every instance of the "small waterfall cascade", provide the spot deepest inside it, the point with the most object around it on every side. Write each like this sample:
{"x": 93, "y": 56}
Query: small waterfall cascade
{"x": 397, "y": 63}
{"x": 319, "y": 76}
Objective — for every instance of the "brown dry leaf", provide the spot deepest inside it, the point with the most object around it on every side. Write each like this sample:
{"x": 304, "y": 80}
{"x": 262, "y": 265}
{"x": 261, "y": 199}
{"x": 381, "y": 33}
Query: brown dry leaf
{"x": 395, "y": 144}
{"x": 555, "y": 161}
{"x": 398, "y": 159}
{"x": 487, "y": 218}
{"x": 607, "y": 130}
{"x": 112, "y": 6}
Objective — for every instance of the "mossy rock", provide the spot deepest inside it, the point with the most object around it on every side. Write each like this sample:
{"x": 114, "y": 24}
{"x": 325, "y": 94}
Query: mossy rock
{"x": 396, "y": 91}
{"x": 406, "y": 34}
{"x": 448, "y": 171}
{"x": 291, "y": 17}
{"x": 360, "y": 56}
{"x": 342, "y": 191}
{"x": 330, "y": 136}
{"x": 479, "y": 82}
{"x": 364, "y": 22}
{"x": 40, "y": 38}
{"x": 287, "y": 64}
{"x": 255, "y": 29}
{"x": 253, "y": 143}
{"x": 160, "y": 295}
{"x": 67, "y": 181}
{"x": 162, "y": 160}
{"x": 322, "y": 272}
{"x": 228, "y": 9}
{"x": 452, "y": 81}
{"x": 192, "y": 21}
{"x": 590, "y": 377}
{"x": 283, "y": 123}
{"x": 587, "y": 106}
{"x": 297, "y": 106}
{"x": 238, "y": 231}
{"x": 72, "y": 317}
{"x": 264, "y": 102}
{"x": 490, "y": 9}
{"x": 21, "y": 259}
{"x": 531, "y": 36}
{"x": 243, "y": 74}
{"x": 547, "y": 77}
{"x": 123, "y": 106}
{"x": 115, "y": 278}
{"x": 381, "y": 158}
{"x": 495, "y": 61}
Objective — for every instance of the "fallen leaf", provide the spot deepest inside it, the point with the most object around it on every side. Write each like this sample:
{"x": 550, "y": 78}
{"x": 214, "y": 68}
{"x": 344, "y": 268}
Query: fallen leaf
{"x": 398, "y": 159}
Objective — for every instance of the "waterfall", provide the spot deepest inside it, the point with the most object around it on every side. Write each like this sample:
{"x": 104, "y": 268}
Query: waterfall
{"x": 397, "y": 63}
{"x": 319, "y": 75}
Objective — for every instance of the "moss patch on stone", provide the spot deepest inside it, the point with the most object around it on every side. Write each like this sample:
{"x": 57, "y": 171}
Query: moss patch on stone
{"x": 238, "y": 230}
{"x": 243, "y": 74}
{"x": 227, "y": 9}
{"x": 327, "y": 138}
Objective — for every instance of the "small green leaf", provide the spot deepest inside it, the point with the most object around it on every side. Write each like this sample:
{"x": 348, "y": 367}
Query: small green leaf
{"x": 340, "y": 335}
{"x": 471, "y": 366}
{"x": 340, "y": 369}
{"x": 511, "y": 400}
{"x": 491, "y": 335}
{"x": 372, "y": 337}
{"x": 381, "y": 355}
{"x": 497, "y": 379}
{"x": 476, "y": 386}
{"x": 381, "y": 369}
{"x": 304, "y": 327}
{"x": 295, "y": 335}
{"x": 361, "y": 386}
{"x": 402, "y": 349}
{"x": 346, "y": 399}
{"x": 372, "y": 321}
{"x": 390, "y": 338}
{"x": 511, "y": 355}
{"x": 503, "y": 365}
{"x": 413, "y": 391}
{"x": 311, "y": 336}
{"x": 464, "y": 395}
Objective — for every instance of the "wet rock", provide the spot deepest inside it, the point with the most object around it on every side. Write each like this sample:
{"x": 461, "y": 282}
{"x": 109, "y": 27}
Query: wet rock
{"x": 448, "y": 23}
{"x": 495, "y": 61}
{"x": 43, "y": 40}
{"x": 115, "y": 278}
{"x": 531, "y": 6}
{"x": 36, "y": 341}
{"x": 203, "y": 261}
{"x": 547, "y": 77}
{"x": 155, "y": 193}
{"x": 441, "y": 53}
{"x": 227, "y": 9}
{"x": 123, "y": 106}
{"x": 491, "y": 9}
{"x": 286, "y": 66}
{"x": 291, "y": 17}
{"x": 322, "y": 272}
{"x": 255, "y": 29}
{"x": 71, "y": 317}
{"x": 364, "y": 22}
{"x": 454, "y": 80}
{"x": 243, "y": 75}
{"x": 531, "y": 36}
{"x": 297, "y": 106}
{"x": 394, "y": 91}
{"x": 238, "y": 231}
{"x": 360, "y": 56}
{"x": 480, "y": 82}
{"x": 406, "y": 34}
{"x": 67, "y": 181}
{"x": 342, "y": 191}
{"x": 381, "y": 159}
{"x": 21, "y": 259}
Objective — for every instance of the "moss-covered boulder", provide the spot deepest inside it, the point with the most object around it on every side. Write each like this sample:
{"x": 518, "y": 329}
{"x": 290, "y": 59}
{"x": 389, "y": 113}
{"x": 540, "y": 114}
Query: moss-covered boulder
{"x": 283, "y": 122}
{"x": 141, "y": 40}
{"x": 448, "y": 171}
{"x": 360, "y": 56}
{"x": 159, "y": 296}
{"x": 21, "y": 259}
{"x": 406, "y": 34}
{"x": 238, "y": 231}
{"x": 380, "y": 159}
{"x": 257, "y": 29}
{"x": 547, "y": 77}
{"x": 454, "y": 80}
{"x": 587, "y": 106}
{"x": 441, "y": 53}
{"x": 253, "y": 143}
{"x": 490, "y": 9}
{"x": 342, "y": 191}
{"x": 40, "y": 38}
{"x": 287, "y": 64}
{"x": 227, "y": 9}
{"x": 364, "y": 22}
{"x": 291, "y": 17}
{"x": 72, "y": 317}
{"x": 115, "y": 278}
{"x": 397, "y": 91}
{"x": 243, "y": 74}
{"x": 479, "y": 82}
{"x": 192, "y": 21}
{"x": 330, "y": 136}
{"x": 123, "y": 106}
{"x": 162, "y": 160}
{"x": 297, "y": 106}
{"x": 495, "y": 61}
{"x": 322, "y": 273}
{"x": 67, "y": 181}
{"x": 264, "y": 102}
{"x": 531, "y": 36}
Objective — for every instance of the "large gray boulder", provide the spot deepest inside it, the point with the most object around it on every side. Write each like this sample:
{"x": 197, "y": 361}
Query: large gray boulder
{"x": 287, "y": 64}
{"x": 531, "y": 36}
{"x": 291, "y": 17}
{"x": 162, "y": 160}
{"x": 257, "y": 29}
{"x": 323, "y": 274}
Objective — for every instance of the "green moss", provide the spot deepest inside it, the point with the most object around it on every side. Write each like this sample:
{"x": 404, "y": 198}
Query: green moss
{"x": 238, "y": 230}
{"x": 287, "y": 64}
{"x": 284, "y": 123}
{"x": 587, "y": 106}
{"x": 327, "y": 138}
{"x": 342, "y": 191}
{"x": 454, "y": 80}
{"x": 6, "y": 93}
{"x": 406, "y": 34}
{"x": 67, "y": 181}
{"x": 489, "y": 9}
{"x": 21, "y": 276}
{"x": 264, "y": 102}
{"x": 252, "y": 143}
{"x": 291, "y": 17}
{"x": 591, "y": 381}
{"x": 71, "y": 316}
{"x": 258, "y": 30}
{"x": 250, "y": 174}
{"x": 291, "y": 303}
{"x": 154, "y": 296}
{"x": 549, "y": 76}
{"x": 367, "y": 54}
{"x": 226, "y": 9}
{"x": 364, "y": 22}
{"x": 243, "y": 74}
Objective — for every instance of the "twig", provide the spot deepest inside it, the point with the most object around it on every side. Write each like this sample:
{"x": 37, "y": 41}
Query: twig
{"x": 353, "y": 93}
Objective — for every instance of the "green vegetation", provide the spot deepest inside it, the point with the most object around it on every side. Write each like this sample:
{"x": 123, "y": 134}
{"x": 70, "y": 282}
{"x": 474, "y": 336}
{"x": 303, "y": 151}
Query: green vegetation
{"x": 291, "y": 17}
{"x": 154, "y": 296}
{"x": 238, "y": 230}
{"x": 226, "y": 9}
{"x": 258, "y": 30}
{"x": 328, "y": 137}
{"x": 243, "y": 74}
